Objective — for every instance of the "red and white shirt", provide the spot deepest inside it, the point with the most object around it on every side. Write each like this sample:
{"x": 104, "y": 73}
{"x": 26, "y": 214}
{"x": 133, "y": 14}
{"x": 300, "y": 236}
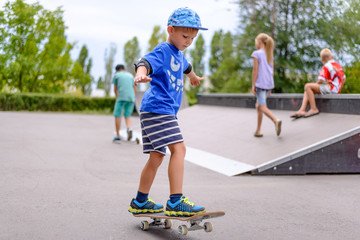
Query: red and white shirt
{"x": 332, "y": 73}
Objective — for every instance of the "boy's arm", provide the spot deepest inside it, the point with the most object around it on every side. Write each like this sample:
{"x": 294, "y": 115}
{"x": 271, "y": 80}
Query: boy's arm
{"x": 324, "y": 75}
{"x": 141, "y": 75}
{"x": 115, "y": 90}
{"x": 194, "y": 79}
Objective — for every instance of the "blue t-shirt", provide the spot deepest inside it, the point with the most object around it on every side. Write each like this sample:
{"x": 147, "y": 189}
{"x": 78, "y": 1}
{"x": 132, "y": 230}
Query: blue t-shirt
{"x": 166, "y": 88}
{"x": 124, "y": 82}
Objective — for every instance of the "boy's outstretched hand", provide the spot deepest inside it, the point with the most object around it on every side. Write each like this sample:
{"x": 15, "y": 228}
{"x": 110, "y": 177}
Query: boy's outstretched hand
{"x": 141, "y": 78}
{"x": 195, "y": 80}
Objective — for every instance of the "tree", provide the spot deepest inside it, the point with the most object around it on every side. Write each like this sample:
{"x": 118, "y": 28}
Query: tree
{"x": 109, "y": 64}
{"x": 300, "y": 29}
{"x": 197, "y": 61}
{"x": 197, "y": 55}
{"x": 100, "y": 83}
{"x": 131, "y": 53}
{"x": 352, "y": 81}
{"x": 225, "y": 64}
{"x": 215, "y": 51}
{"x": 81, "y": 71}
{"x": 341, "y": 29}
{"x": 35, "y": 54}
{"x": 157, "y": 37}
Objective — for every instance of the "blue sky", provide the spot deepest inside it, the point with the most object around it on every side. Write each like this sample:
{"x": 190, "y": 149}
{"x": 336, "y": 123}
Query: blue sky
{"x": 98, "y": 23}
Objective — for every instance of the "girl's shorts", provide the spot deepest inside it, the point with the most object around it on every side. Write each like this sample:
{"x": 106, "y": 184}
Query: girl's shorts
{"x": 159, "y": 131}
{"x": 261, "y": 96}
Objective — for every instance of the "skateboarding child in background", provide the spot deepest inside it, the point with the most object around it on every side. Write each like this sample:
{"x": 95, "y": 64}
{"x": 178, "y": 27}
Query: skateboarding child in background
{"x": 263, "y": 80}
{"x": 163, "y": 68}
{"x": 125, "y": 99}
{"x": 330, "y": 81}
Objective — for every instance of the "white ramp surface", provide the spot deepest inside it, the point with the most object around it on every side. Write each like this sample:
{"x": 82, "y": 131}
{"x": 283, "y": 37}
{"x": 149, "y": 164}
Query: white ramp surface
{"x": 216, "y": 163}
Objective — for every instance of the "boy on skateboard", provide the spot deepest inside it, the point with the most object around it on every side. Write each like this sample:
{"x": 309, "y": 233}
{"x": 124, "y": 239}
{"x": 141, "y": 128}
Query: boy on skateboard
{"x": 163, "y": 68}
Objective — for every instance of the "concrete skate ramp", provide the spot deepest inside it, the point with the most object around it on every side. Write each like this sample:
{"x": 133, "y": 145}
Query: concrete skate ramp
{"x": 221, "y": 139}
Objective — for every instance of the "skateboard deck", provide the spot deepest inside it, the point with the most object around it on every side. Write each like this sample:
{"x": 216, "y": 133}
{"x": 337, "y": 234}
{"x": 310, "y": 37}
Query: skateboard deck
{"x": 159, "y": 219}
{"x": 135, "y": 137}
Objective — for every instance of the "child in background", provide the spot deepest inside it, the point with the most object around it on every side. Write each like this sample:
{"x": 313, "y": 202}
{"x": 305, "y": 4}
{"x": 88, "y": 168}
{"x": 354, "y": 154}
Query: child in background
{"x": 263, "y": 80}
{"x": 163, "y": 68}
{"x": 125, "y": 99}
{"x": 330, "y": 81}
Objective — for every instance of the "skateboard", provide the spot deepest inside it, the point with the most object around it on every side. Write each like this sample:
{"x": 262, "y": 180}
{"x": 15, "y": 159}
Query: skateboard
{"x": 134, "y": 141}
{"x": 195, "y": 221}
{"x": 135, "y": 137}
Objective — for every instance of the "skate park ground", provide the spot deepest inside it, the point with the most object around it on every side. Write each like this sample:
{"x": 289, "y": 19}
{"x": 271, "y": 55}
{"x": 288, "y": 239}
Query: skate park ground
{"x": 61, "y": 177}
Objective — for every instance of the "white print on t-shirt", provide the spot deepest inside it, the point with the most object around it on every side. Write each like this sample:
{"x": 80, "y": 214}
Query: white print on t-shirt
{"x": 175, "y": 67}
{"x": 175, "y": 84}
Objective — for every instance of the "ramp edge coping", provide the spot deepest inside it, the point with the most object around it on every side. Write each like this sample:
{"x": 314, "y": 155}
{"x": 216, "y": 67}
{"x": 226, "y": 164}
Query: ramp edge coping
{"x": 308, "y": 149}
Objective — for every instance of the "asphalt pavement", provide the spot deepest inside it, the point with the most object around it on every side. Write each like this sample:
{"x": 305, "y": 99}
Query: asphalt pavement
{"x": 61, "y": 177}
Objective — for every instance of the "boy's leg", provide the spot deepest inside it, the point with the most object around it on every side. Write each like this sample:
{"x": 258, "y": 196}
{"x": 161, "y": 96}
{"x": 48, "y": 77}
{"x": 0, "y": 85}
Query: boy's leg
{"x": 149, "y": 171}
{"x": 117, "y": 126}
{"x": 128, "y": 126}
{"x": 117, "y": 115}
{"x": 176, "y": 167}
{"x": 128, "y": 122}
{"x": 179, "y": 205}
{"x": 128, "y": 110}
{"x": 311, "y": 89}
{"x": 304, "y": 103}
{"x": 143, "y": 204}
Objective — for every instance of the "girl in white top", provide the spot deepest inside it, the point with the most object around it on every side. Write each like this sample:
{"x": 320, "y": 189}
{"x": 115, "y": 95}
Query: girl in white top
{"x": 263, "y": 80}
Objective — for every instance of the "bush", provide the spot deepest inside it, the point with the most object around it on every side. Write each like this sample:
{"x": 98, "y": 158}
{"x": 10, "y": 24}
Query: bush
{"x": 55, "y": 103}
{"x": 352, "y": 81}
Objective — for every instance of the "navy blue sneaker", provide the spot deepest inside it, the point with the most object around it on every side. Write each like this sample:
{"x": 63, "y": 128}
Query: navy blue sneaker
{"x": 183, "y": 208}
{"x": 116, "y": 139}
{"x": 149, "y": 206}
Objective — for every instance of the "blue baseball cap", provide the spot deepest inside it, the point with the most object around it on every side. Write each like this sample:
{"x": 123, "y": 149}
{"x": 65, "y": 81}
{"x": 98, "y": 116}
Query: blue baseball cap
{"x": 185, "y": 17}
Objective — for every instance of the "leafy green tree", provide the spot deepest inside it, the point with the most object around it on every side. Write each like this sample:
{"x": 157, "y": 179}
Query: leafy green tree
{"x": 35, "y": 54}
{"x": 197, "y": 61}
{"x": 81, "y": 71}
{"x": 197, "y": 55}
{"x": 100, "y": 83}
{"x": 157, "y": 37}
{"x": 109, "y": 66}
{"x": 300, "y": 28}
{"x": 340, "y": 28}
{"x": 131, "y": 53}
{"x": 225, "y": 64}
{"x": 352, "y": 81}
{"x": 216, "y": 51}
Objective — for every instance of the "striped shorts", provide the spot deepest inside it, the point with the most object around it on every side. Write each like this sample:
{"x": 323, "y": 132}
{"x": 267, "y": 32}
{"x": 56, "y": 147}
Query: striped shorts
{"x": 159, "y": 131}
